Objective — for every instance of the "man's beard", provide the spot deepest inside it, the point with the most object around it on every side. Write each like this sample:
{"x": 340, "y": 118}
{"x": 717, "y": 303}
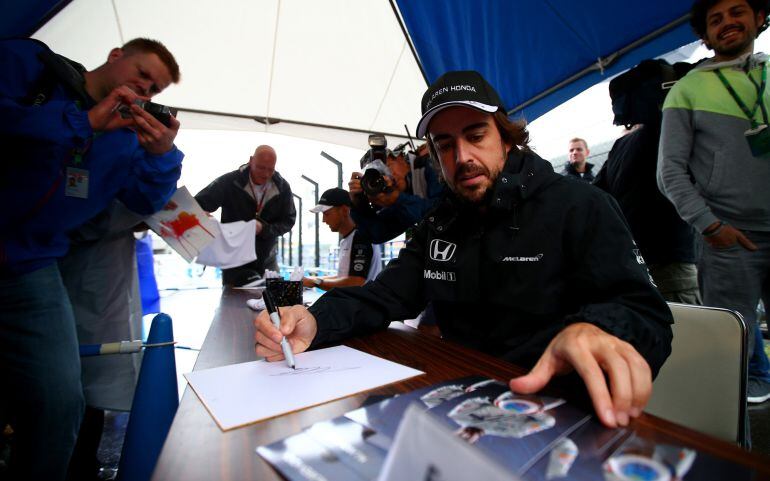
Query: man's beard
{"x": 462, "y": 192}
{"x": 735, "y": 50}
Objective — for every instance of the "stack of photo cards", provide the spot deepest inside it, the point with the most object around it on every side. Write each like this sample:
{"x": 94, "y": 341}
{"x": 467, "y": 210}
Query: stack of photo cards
{"x": 332, "y": 450}
{"x": 532, "y": 437}
{"x": 515, "y": 430}
{"x": 384, "y": 417}
{"x": 639, "y": 458}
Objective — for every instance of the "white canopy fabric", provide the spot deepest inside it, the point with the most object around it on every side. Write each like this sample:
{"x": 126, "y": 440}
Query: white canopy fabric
{"x": 343, "y": 64}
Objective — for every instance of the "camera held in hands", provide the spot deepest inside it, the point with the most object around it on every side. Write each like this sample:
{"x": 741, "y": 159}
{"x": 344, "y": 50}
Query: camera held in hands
{"x": 375, "y": 168}
{"x": 161, "y": 112}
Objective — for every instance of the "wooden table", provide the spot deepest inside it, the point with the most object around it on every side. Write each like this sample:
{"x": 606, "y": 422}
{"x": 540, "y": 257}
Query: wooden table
{"x": 196, "y": 449}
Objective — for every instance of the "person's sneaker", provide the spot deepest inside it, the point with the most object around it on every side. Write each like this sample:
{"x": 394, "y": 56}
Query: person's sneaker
{"x": 758, "y": 391}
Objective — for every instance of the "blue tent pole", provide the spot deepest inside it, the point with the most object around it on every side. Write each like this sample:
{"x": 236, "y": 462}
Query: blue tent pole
{"x": 155, "y": 403}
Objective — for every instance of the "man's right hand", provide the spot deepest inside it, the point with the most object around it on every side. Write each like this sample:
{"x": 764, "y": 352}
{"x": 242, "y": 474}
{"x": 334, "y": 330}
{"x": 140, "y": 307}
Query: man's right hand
{"x": 105, "y": 116}
{"x": 727, "y": 236}
{"x": 355, "y": 190}
{"x": 298, "y": 326}
{"x": 354, "y": 185}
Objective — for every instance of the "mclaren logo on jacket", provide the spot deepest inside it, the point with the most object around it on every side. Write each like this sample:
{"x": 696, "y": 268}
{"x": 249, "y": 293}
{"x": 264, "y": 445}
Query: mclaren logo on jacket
{"x": 523, "y": 258}
{"x": 441, "y": 250}
{"x": 439, "y": 275}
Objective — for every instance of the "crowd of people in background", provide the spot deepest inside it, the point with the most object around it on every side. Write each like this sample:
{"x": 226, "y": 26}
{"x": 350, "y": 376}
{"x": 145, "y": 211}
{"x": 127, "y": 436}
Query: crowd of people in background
{"x": 494, "y": 235}
{"x": 691, "y": 170}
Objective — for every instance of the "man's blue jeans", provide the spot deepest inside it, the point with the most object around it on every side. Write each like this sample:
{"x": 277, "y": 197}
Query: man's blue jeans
{"x": 40, "y": 373}
{"x": 735, "y": 278}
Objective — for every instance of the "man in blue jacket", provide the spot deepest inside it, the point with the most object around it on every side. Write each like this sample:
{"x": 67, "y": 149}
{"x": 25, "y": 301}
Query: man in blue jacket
{"x": 73, "y": 140}
{"x": 413, "y": 188}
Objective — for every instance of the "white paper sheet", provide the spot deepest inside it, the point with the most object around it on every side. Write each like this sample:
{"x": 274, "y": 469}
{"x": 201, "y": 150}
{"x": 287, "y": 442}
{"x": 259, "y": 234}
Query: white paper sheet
{"x": 246, "y": 393}
{"x": 233, "y": 246}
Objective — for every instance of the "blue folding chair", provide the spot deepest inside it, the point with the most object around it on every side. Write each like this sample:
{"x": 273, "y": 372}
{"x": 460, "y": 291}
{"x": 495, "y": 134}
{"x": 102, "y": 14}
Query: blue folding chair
{"x": 154, "y": 406}
{"x": 155, "y": 400}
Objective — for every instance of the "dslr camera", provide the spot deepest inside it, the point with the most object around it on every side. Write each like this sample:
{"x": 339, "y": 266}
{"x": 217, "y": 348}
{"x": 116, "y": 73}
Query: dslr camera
{"x": 161, "y": 112}
{"x": 375, "y": 167}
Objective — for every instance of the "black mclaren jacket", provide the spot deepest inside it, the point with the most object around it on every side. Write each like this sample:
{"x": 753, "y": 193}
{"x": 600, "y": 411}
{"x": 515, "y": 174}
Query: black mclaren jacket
{"x": 629, "y": 176}
{"x": 277, "y": 217}
{"x": 549, "y": 251}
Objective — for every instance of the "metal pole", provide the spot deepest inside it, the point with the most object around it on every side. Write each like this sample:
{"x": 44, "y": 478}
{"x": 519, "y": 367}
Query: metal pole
{"x": 338, "y": 164}
{"x": 291, "y": 249}
{"x": 317, "y": 238}
{"x": 283, "y": 247}
{"x": 299, "y": 246}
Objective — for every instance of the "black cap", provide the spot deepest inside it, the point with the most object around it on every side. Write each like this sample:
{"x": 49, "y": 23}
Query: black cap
{"x": 463, "y": 87}
{"x": 332, "y": 198}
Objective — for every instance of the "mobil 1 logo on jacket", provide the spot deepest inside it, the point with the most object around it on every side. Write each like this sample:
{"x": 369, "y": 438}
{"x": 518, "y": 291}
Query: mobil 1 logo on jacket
{"x": 451, "y": 268}
{"x": 441, "y": 261}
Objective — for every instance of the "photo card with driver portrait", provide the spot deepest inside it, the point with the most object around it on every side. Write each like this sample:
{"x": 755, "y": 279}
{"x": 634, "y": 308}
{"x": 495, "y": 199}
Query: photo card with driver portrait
{"x": 640, "y": 458}
{"x": 302, "y": 458}
{"x": 579, "y": 455}
{"x": 384, "y": 417}
{"x": 514, "y": 429}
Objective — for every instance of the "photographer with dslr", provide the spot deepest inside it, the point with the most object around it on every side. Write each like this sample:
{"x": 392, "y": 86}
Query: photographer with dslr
{"x": 394, "y": 190}
{"x": 74, "y": 140}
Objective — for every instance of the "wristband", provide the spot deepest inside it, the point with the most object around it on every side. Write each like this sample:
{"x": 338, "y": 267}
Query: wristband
{"x": 318, "y": 281}
{"x": 714, "y": 231}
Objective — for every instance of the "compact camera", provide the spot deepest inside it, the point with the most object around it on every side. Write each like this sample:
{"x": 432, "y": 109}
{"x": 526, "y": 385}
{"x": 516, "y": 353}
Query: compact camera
{"x": 374, "y": 166}
{"x": 161, "y": 112}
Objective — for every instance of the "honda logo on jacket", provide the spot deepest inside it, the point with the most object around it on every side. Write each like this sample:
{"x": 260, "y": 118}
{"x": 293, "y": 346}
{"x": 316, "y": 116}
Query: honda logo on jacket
{"x": 441, "y": 250}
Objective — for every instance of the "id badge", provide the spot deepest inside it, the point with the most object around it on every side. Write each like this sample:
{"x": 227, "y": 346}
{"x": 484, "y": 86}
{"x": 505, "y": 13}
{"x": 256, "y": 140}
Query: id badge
{"x": 77, "y": 183}
{"x": 759, "y": 141}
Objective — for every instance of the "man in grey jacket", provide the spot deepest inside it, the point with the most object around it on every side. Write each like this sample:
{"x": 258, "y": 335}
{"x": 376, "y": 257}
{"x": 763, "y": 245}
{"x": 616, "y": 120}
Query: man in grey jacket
{"x": 713, "y": 165}
{"x": 253, "y": 191}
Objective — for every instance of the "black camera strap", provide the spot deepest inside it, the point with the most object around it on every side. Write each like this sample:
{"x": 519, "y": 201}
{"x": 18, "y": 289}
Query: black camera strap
{"x": 57, "y": 70}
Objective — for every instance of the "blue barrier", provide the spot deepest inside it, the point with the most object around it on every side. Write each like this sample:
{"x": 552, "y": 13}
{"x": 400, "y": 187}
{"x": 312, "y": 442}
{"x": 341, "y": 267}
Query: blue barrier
{"x": 154, "y": 405}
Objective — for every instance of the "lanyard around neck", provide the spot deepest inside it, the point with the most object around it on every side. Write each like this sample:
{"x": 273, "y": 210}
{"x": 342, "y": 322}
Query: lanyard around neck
{"x": 261, "y": 199}
{"x": 760, "y": 94}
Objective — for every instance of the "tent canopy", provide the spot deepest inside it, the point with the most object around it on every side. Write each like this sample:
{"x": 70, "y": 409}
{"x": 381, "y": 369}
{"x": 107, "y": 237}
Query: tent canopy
{"x": 337, "y": 69}
{"x": 526, "y": 47}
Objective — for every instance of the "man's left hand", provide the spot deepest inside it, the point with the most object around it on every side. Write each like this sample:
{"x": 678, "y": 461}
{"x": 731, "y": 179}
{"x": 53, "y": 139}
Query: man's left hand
{"x": 728, "y": 236}
{"x": 154, "y": 137}
{"x": 592, "y": 352}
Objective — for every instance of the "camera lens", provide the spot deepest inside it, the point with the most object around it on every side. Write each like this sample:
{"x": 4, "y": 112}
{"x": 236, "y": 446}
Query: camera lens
{"x": 373, "y": 183}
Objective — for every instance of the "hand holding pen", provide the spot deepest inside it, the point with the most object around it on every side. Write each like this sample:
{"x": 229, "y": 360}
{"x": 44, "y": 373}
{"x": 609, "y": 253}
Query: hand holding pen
{"x": 276, "y": 320}
{"x": 296, "y": 322}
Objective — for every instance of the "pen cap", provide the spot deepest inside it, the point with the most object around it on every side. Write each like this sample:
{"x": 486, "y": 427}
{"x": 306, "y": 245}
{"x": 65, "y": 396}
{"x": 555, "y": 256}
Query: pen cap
{"x": 268, "y": 298}
{"x": 284, "y": 293}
